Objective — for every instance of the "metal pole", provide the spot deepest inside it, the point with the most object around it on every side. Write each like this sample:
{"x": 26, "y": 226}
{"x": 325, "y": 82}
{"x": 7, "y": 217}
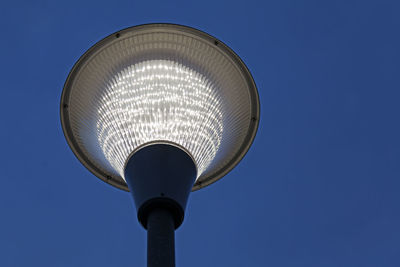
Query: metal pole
{"x": 160, "y": 238}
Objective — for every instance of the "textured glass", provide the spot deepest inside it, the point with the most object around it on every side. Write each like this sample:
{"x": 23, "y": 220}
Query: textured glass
{"x": 159, "y": 84}
{"x": 159, "y": 100}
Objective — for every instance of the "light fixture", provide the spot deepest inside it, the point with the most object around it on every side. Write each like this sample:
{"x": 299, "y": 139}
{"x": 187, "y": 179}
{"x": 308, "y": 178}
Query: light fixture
{"x": 160, "y": 110}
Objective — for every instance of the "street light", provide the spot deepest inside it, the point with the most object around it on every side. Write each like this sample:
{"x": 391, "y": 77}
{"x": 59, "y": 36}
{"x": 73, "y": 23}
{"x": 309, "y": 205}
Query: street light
{"x": 160, "y": 110}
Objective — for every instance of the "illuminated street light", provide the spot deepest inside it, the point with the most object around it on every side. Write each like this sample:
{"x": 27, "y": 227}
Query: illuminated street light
{"x": 160, "y": 110}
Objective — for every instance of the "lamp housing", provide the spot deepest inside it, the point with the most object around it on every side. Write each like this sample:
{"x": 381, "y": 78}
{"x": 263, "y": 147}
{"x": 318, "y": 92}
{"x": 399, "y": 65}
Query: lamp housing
{"x": 159, "y": 83}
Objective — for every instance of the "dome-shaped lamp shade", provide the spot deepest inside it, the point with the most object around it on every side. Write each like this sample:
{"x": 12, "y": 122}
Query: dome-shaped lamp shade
{"x": 159, "y": 83}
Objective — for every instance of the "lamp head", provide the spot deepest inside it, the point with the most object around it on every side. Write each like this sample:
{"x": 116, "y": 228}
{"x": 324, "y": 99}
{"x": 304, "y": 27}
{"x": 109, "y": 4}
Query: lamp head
{"x": 159, "y": 84}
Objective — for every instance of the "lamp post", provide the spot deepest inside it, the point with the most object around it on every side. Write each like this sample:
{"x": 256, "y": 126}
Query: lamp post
{"x": 160, "y": 110}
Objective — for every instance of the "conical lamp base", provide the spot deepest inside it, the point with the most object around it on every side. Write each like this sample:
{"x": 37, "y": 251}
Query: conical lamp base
{"x": 160, "y": 176}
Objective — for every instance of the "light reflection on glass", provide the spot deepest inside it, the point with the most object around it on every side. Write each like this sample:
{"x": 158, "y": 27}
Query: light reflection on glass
{"x": 159, "y": 100}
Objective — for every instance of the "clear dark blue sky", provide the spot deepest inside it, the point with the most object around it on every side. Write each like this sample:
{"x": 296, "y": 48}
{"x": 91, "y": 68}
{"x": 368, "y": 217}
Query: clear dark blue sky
{"x": 319, "y": 187}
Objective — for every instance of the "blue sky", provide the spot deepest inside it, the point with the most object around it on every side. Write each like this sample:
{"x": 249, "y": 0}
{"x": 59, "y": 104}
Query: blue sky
{"x": 319, "y": 187}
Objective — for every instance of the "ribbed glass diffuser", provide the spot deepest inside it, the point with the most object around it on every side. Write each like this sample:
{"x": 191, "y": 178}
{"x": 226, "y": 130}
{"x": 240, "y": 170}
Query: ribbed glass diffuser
{"x": 159, "y": 83}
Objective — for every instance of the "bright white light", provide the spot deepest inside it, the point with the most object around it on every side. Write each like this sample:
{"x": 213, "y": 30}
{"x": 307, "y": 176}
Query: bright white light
{"x": 159, "y": 100}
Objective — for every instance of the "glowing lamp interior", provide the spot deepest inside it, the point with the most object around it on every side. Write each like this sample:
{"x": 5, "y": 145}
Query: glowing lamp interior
{"x": 156, "y": 101}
